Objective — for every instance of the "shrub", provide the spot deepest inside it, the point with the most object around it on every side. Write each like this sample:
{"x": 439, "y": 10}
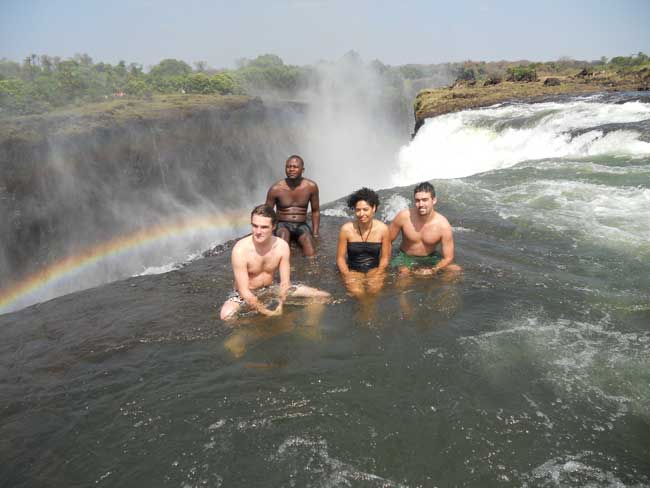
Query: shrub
{"x": 522, "y": 73}
{"x": 136, "y": 88}
{"x": 492, "y": 80}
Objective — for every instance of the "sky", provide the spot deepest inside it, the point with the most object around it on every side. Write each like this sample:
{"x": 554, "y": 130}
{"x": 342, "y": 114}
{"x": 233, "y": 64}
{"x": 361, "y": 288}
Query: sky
{"x": 304, "y": 32}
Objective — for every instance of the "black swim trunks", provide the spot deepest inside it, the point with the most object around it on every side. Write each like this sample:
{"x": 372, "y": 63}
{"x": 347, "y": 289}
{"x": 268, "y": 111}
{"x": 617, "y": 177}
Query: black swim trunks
{"x": 296, "y": 229}
{"x": 363, "y": 256}
{"x": 262, "y": 293}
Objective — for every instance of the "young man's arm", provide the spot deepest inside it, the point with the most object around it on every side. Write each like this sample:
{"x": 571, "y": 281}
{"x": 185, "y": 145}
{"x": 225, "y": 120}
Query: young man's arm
{"x": 447, "y": 243}
{"x": 315, "y": 210}
{"x": 240, "y": 271}
{"x": 395, "y": 228}
{"x": 285, "y": 272}
{"x": 396, "y": 225}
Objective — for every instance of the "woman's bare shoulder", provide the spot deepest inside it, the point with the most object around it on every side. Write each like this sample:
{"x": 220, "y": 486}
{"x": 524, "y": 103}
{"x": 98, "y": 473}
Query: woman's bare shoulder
{"x": 380, "y": 225}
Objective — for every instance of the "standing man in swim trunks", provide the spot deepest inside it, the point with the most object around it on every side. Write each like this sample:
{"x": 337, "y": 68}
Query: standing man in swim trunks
{"x": 291, "y": 196}
{"x": 255, "y": 259}
{"x": 422, "y": 229}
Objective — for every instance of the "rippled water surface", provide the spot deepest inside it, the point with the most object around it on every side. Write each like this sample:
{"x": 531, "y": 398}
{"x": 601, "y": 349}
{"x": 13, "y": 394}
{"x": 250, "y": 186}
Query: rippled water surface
{"x": 530, "y": 369}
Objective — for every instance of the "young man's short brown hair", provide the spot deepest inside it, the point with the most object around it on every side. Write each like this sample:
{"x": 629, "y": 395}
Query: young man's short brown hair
{"x": 426, "y": 187}
{"x": 265, "y": 211}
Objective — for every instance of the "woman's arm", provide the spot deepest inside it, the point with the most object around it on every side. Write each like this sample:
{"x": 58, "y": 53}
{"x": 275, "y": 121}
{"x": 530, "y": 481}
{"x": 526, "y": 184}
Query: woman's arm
{"x": 342, "y": 251}
{"x": 386, "y": 247}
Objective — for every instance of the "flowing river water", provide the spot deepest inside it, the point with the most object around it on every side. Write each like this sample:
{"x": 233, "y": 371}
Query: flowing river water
{"x": 530, "y": 369}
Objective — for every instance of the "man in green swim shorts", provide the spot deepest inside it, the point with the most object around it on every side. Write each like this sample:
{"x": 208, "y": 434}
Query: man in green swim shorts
{"x": 422, "y": 229}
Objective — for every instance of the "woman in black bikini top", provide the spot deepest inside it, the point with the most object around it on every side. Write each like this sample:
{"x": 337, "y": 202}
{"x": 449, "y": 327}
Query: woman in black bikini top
{"x": 364, "y": 245}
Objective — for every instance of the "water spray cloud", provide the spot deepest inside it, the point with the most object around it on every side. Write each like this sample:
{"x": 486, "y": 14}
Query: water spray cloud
{"x": 35, "y": 285}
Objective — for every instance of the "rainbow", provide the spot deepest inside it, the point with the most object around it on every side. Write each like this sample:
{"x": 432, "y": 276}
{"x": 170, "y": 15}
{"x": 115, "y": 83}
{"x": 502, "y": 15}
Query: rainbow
{"x": 74, "y": 264}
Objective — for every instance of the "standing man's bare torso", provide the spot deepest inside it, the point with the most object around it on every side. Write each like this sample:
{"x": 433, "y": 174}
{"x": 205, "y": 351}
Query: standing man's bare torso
{"x": 292, "y": 203}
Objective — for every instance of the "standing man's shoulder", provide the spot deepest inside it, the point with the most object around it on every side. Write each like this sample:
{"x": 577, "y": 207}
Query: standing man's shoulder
{"x": 278, "y": 185}
{"x": 274, "y": 191}
{"x": 311, "y": 184}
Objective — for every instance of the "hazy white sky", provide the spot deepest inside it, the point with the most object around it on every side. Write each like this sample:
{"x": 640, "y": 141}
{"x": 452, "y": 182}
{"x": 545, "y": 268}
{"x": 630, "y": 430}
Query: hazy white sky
{"x": 306, "y": 31}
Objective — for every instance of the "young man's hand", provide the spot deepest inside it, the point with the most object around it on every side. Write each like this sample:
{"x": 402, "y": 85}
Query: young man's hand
{"x": 268, "y": 312}
{"x": 424, "y": 271}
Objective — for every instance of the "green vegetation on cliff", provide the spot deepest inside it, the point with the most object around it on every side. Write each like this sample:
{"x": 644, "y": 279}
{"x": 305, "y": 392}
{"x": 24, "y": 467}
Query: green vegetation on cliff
{"x": 108, "y": 114}
{"x": 481, "y": 71}
{"x": 532, "y": 81}
{"x": 44, "y": 83}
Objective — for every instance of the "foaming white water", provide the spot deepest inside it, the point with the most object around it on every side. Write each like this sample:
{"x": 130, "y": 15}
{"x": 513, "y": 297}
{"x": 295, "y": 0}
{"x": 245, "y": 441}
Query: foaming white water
{"x": 153, "y": 257}
{"x": 613, "y": 216}
{"x": 474, "y": 141}
{"x": 388, "y": 208}
{"x": 577, "y": 360}
{"x": 393, "y": 206}
{"x": 572, "y": 469}
{"x": 174, "y": 264}
{"x": 324, "y": 469}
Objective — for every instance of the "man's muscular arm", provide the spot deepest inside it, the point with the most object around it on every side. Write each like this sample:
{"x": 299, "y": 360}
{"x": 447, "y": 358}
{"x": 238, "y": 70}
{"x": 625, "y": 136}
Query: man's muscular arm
{"x": 447, "y": 243}
{"x": 285, "y": 272}
{"x": 396, "y": 225}
{"x": 315, "y": 210}
{"x": 270, "y": 197}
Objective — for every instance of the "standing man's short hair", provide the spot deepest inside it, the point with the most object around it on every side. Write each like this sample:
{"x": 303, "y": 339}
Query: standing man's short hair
{"x": 295, "y": 156}
{"x": 265, "y": 211}
{"x": 425, "y": 186}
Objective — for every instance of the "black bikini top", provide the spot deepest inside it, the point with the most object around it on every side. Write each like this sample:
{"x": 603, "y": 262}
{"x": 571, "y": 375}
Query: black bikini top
{"x": 363, "y": 256}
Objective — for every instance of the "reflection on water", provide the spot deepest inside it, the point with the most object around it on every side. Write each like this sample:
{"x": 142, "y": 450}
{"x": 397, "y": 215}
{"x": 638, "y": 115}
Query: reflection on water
{"x": 304, "y": 321}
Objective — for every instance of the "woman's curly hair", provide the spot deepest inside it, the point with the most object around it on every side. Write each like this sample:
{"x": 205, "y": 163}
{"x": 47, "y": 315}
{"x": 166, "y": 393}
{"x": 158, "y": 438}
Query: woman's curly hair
{"x": 365, "y": 194}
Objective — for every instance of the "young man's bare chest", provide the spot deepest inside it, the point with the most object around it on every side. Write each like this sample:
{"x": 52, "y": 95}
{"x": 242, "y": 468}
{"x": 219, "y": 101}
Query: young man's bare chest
{"x": 428, "y": 233}
{"x": 267, "y": 263}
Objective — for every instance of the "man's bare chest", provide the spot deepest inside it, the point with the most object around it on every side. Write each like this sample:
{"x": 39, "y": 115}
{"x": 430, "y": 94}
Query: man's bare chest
{"x": 297, "y": 197}
{"x": 427, "y": 235}
{"x": 264, "y": 264}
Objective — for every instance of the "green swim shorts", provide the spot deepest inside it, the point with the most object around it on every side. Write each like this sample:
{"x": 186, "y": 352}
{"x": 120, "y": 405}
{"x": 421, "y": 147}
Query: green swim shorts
{"x": 404, "y": 260}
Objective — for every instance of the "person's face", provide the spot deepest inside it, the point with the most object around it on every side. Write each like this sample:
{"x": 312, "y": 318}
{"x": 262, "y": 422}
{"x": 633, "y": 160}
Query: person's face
{"x": 294, "y": 169}
{"x": 262, "y": 228}
{"x": 364, "y": 211}
{"x": 424, "y": 203}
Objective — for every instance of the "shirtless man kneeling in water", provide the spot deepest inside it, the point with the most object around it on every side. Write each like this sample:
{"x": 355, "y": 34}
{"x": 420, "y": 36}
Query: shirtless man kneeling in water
{"x": 255, "y": 259}
{"x": 291, "y": 196}
{"x": 422, "y": 229}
